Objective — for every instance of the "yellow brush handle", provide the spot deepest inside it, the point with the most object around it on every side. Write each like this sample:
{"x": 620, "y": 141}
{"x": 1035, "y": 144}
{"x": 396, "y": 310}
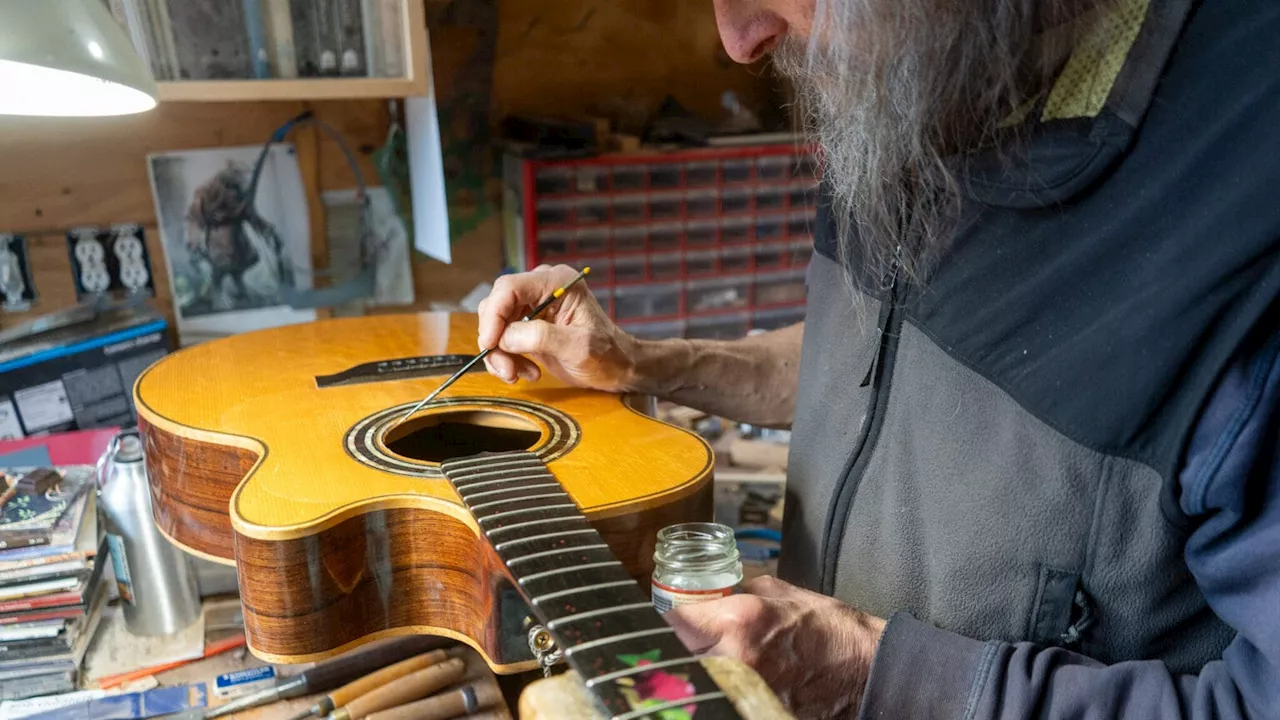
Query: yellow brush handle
{"x": 373, "y": 681}
{"x": 407, "y": 689}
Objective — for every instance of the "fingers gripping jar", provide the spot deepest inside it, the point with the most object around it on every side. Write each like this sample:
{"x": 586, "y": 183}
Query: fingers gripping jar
{"x": 693, "y": 563}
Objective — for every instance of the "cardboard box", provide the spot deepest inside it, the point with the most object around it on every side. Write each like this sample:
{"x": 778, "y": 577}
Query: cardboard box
{"x": 80, "y": 375}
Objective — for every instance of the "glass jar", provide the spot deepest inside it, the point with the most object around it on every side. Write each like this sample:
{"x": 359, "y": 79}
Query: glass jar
{"x": 693, "y": 563}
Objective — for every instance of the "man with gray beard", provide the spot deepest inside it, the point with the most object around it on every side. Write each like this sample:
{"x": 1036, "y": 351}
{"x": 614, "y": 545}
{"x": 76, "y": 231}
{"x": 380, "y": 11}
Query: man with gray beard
{"x": 1035, "y": 402}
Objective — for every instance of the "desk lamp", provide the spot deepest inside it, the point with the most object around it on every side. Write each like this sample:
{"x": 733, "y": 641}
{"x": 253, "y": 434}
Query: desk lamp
{"x": 69, "y": 58}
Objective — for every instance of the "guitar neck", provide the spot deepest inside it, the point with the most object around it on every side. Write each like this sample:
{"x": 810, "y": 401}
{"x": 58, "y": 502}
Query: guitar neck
{"x": 627, "y": 655}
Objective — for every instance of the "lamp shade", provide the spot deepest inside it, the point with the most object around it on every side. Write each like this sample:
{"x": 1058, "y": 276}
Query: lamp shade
{"x": 69, "y": 58}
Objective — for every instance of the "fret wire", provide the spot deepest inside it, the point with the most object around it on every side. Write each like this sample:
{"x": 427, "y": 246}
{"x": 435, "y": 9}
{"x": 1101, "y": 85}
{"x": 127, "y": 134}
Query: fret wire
{"x": 557, "y": 551}
{"x": 570, "y": 652}
{"x": 655, "y": 709}
{"x": 561, "y": 571}
{"x": 486, "y": 493}
{"x": 521, "y": 511}
{"x": 468, "y": 462}
{"x": 464, "y": 481}
{"x": 585, "y": 588}
{"x": 588, "y": 614}
{"x": 476, "y": 508}
{"x": 500, "y": 546}
{"x": 490, "y": 533}
{"x": 472, "y": 486}
{"x": 639, "y": 669}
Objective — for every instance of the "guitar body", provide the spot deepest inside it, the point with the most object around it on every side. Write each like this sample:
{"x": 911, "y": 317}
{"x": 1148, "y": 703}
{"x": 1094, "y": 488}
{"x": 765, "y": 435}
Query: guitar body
{"x": 277, "y": 451}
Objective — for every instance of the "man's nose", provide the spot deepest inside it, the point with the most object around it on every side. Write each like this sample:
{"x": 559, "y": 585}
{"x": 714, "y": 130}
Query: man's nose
{"x": 747, "y": 30}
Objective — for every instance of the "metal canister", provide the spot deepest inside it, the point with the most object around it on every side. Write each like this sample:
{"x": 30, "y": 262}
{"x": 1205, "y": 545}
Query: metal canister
{"x": 154, "y": 578}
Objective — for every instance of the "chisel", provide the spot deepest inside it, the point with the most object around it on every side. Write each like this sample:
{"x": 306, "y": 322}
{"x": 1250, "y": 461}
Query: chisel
{"x": 407, "y": 689}
{"x": 333, "y": 673}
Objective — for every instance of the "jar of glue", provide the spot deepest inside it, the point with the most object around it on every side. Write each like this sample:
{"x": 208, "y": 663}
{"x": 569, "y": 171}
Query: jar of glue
{"x": 693, "y": 563}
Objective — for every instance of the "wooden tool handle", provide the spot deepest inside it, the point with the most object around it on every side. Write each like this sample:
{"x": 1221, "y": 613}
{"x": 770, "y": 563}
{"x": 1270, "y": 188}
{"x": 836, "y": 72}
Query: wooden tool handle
{"x": 373, "y": 681}
{"x": 351, "y": 667}
{"x": 407, "y": 689}
{"x": 484, "y": 694}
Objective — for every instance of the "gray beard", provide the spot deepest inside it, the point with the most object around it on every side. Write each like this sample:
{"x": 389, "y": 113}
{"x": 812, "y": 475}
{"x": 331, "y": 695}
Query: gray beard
{"x": 893, "y": 91}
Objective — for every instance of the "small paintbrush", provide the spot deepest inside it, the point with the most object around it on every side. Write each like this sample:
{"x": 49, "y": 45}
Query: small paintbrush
{"x": 471, "y": 363}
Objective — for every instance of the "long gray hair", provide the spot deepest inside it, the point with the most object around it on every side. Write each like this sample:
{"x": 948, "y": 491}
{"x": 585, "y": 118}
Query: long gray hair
{"x": 895, "y": 91}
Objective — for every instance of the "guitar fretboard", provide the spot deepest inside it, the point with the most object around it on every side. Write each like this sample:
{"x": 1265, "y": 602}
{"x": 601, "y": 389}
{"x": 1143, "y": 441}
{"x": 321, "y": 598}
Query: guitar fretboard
{"x": 605, "y": 624}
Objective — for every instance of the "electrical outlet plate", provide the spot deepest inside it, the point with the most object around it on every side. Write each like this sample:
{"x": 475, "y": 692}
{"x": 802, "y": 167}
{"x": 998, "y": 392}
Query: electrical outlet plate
{"x": 110, "y": 261}
{"x": 17, "y": 288}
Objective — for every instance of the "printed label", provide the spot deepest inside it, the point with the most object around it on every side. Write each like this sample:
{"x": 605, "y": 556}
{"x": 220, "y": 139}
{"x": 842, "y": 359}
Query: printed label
{"x": 242, "y": 682}
{"x": 44, "y": 406}
{"x": 665, "y": 598}
{"x": 120, "y": 563}
{"x": 10, "y": 428}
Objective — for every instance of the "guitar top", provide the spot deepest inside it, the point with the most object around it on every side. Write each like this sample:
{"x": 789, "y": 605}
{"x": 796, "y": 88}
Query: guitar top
{"x": 278, "y": 450}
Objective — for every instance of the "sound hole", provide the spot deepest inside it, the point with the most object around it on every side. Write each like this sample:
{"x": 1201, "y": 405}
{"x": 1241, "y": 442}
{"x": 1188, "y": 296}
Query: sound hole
{"x": 447, "y": 435}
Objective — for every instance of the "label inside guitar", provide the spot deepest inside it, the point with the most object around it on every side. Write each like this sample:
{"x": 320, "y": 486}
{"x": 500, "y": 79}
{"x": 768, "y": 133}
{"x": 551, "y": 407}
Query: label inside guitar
{"x": 666, "y": 598}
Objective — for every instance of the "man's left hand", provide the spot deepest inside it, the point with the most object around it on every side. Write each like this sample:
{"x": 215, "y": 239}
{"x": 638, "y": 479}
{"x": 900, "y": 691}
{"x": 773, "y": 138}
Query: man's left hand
{"x": 813, "y": 651}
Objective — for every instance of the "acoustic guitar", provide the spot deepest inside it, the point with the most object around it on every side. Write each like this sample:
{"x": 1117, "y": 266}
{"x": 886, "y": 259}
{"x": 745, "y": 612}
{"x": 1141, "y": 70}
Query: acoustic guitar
{"x": 514, "y": 518}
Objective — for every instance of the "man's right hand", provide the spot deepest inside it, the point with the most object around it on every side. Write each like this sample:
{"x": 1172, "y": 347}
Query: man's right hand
{"x": 574, "y": 338}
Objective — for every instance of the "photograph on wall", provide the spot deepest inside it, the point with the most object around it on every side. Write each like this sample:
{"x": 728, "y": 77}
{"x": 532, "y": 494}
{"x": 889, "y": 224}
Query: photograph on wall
{"x": 230, "y": 255}
{"x": 387, "y": 246}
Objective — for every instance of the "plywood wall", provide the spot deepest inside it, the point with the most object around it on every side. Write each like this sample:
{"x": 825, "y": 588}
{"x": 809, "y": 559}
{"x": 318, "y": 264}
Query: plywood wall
{"x": 617, "y": 59}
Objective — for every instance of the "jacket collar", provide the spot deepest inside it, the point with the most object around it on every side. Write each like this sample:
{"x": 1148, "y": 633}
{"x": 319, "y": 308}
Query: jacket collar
{"x": 1087, "y": 121}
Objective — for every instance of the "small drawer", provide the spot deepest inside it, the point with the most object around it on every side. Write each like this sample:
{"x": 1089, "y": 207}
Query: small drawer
{"x": 701, "y": 263}
{"x": 770, "y": 198}
{"x": 800, "y": 225}
{"x": 735, "y": 260}
{"x": 800, "y": 252}
{"x": 664, "y": 176}
{"x": 554, "y": 244}
{"x": 629, "y": 239}
{"x": 665, "y": 267}
{"x": 701, "y": 173}
{"x": 771, "y": 256}
{"x": 774, "y": 168}
{"x": 700, "y": 233}
{"x": 735, "y": 230}
{"x": 769, "y": 228}
{"x": 553, "y": 180}
{"x": 700, "y": 203}
{"x": 736, "y": 171}
{"x": 665, "y": 206}
{"x": 719, "y": 327}
{"x": 780, "y": 288}
{"x": 777, "y": 318}
{"x": 630, "y": 177}
{"x": 554, "y": 211}
{"x": 630, "y": 269}
{"x": 601, "y": 271}
{"x": 592, "y": 241}
{"x": 655, "y": 330}
{"x": 641, "y": 301}
{"x": 629, "y": 208}
{"x": 720, "y": 293}
{"x": 735, "y": 201}
{"x": 806, "y": 166}
{"x": 802, "y": 196}
{"x": 592, "y": 179}
{"x": 592, "y": 211}
{"x": 665, "y": 236}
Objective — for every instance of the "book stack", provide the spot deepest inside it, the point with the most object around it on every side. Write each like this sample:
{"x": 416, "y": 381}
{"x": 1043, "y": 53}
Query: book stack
{"x": 51, "y": 585}
{"x": 247, "y": 39}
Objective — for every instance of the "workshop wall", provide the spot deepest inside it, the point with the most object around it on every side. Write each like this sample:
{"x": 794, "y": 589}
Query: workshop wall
{"x": 616, "y": 60}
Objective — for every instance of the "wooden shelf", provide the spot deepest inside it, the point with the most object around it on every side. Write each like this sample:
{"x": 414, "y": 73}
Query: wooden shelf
{"x": 417, "y": 54}
{"x": 302, "y": 89}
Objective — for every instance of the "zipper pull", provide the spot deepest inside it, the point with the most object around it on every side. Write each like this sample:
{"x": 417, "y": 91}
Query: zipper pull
{"x": 888, "y": 283}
